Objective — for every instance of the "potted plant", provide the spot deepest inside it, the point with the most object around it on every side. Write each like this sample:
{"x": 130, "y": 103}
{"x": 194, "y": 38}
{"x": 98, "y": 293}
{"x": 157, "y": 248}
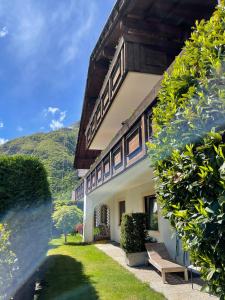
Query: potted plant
{"x": 133, "y": 236}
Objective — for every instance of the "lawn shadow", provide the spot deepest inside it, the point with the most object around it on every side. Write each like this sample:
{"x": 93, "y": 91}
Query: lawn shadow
{"x": 77, "y": 244}
{"x": 62, "y": 278}
{"x": 175, "y": 278}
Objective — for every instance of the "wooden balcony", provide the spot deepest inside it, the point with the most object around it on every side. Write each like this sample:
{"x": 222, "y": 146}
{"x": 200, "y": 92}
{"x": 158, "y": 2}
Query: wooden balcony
{"x": 127, "y": 149}
{"x": 134, "y": 71}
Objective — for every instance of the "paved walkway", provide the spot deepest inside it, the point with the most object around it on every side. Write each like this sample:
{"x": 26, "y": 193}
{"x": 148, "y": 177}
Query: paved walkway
{"x": 175, "y": 288}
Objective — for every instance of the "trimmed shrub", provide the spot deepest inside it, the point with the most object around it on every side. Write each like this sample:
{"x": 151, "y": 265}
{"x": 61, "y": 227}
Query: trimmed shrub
{"x": 188, "y": 151}
{"x": 133, "y": 232}
{"x": 25, "y": 208}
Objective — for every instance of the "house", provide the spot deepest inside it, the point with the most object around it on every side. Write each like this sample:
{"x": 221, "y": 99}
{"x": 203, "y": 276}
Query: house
{"x": 137, "y": 45}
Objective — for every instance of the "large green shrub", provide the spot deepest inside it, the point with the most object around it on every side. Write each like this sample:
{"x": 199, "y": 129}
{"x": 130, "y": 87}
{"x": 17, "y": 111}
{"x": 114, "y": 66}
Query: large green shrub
{"x": 25, "y": 209}
{"x": 188, "y": 150}
{"x": 133, "y": 232}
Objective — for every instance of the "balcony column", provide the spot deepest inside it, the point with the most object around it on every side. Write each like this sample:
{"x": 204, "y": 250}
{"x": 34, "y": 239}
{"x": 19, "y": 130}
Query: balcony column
{"x": 88, "y": 229}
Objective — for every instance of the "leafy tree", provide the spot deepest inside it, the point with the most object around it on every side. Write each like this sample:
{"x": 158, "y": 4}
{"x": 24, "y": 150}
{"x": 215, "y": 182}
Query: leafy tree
{"x": 66, "y": 217}
{"x": 188, "y": 150}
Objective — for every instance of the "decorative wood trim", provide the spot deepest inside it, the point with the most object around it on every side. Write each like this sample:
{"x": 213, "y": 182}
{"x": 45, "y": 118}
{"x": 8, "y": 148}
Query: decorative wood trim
{"x": 133, "y": 144}
{"x": 117, "y": 155}
{"x": 93, "y": 179}
{"x": 99, "y": 174}
{"x": 106, "y": 168}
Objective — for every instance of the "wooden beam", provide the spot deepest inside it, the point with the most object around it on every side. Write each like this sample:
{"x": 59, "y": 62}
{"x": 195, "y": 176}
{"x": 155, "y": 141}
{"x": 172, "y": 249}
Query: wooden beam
{"x": 150, "y": 25}
{"x": 107, "y": 53}
{"x": 188, "y": 12}
{"x": 156, "y": 43}
{"x": 101, "y": 64}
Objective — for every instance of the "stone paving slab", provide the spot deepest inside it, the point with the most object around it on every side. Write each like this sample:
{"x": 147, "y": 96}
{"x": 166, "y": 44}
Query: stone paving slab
{"x": 175, "y": 288}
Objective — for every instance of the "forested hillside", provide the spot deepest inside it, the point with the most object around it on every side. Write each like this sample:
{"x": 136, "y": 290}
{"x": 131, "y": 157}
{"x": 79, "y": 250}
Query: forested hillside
{"x": 56, "y": 151}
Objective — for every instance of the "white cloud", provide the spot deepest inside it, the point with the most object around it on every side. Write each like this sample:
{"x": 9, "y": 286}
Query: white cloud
{"x": 56, "y": 124}
{"x": 1, "y": 124}
{"x": 71, "y": 41}
{"x": 62, "y": 116}
{"x": 53, "y": 110}
{"x": 3, "y": 141}
{"x": 3, "y": 32}
{"x": 19, "y": 128}
{"x": 59, "y": 117}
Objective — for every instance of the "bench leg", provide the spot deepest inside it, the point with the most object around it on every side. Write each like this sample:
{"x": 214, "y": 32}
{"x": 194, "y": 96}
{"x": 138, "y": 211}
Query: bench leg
{"x": 186, "y": 275}
{"x": 163, "y": 277}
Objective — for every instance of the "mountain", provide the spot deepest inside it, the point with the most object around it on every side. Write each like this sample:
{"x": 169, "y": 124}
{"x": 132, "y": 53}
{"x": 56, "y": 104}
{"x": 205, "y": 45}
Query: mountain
{"x": 56, "y": 151}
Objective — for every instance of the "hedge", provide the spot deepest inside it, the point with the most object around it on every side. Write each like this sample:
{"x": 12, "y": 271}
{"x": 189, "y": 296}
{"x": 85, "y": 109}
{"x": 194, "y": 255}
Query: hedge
{"x": 25, "y": 209}
{"x": 187, "y": 150}
{"x": 133, "y": 232}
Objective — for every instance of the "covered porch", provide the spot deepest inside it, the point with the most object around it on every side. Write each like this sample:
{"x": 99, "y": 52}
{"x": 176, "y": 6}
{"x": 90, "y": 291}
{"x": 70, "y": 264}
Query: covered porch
{"x": 130, "y": 192}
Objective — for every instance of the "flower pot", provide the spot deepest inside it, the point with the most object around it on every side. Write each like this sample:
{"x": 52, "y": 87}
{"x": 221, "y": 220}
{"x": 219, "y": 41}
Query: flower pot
{"x": 136, "y": 259}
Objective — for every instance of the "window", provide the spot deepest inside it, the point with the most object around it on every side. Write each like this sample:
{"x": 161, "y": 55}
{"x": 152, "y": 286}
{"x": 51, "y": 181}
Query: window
{"x": 89, "y": 183}
{"x": 117, "y": 157}
{"x": 134, "y": 142}
{"x": 106, "y": 167}
{"x": 99, "y": 173}
{"x": 149, "y": 125}
{"x": 151, "y": 210}
{"x": 122, "y": 209}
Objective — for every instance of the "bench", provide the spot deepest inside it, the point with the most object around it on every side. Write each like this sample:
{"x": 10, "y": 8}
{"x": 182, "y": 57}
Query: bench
{"x": 160, "y": 259}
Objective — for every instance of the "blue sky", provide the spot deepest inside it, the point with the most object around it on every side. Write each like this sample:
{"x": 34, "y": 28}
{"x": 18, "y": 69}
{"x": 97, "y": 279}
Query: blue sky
{"x": 44, "y": 52}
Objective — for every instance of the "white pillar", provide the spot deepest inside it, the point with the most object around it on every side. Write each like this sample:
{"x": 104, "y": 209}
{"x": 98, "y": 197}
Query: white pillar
{"x": 88, "y": 220}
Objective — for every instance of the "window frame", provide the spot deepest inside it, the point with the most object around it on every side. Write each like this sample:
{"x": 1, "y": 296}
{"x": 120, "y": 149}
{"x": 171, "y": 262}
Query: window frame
{"x": 122, "y": 206}
{"x": 148, "y": 213}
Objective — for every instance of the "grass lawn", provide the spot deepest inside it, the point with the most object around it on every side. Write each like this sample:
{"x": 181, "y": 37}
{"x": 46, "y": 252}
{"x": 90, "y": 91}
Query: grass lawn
{"x": 84, "y": 272}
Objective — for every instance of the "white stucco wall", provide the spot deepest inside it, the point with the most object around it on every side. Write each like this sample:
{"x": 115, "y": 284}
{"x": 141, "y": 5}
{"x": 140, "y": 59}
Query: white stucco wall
{"x": 134, "y": 199}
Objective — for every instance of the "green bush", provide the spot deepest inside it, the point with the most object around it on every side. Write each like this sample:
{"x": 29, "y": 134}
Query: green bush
{"x": 188, "y": 150}
{"x": 133, "y": 232}
{"x": 25, "y": 209}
